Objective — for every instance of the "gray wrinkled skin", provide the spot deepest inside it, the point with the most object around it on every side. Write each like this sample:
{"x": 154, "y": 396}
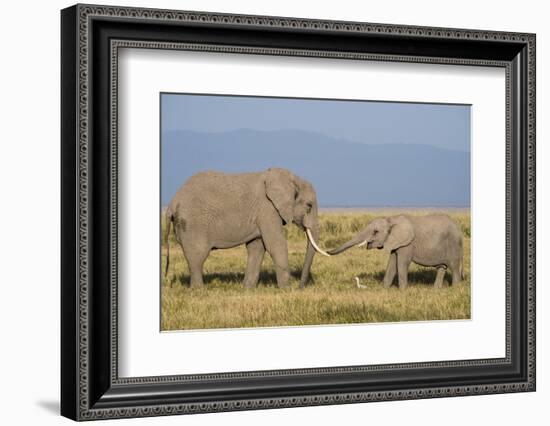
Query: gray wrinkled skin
{"x": 214, "y": 210}
{"x": 430, "y": 240}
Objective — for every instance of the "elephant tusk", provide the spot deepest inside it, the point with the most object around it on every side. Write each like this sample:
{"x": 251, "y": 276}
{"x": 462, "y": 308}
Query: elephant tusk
{"x": 314, "y": 244}
{"x": 362, "y": 244}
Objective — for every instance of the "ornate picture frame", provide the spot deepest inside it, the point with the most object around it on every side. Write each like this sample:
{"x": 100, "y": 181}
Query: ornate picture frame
{"x": 91, "y": 37}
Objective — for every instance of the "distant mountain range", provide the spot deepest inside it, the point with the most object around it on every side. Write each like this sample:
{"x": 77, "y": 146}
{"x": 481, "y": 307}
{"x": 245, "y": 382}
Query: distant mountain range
{"x": 343, "y": 173}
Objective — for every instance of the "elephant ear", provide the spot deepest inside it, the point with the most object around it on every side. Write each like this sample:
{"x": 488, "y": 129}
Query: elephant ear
{"x": 401, "y": 233}
{"x": 281, "y": 191}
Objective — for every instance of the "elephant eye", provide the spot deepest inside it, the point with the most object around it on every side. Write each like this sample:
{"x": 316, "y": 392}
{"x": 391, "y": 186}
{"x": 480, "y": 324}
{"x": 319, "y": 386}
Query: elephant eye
{"x": 309, "y": 206}
{"x": 375, "y": 231}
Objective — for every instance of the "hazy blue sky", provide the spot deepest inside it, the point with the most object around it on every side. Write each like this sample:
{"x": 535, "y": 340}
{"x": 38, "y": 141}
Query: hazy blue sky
{"x": 443, "y": 126}
{"x": 355, "y": 153}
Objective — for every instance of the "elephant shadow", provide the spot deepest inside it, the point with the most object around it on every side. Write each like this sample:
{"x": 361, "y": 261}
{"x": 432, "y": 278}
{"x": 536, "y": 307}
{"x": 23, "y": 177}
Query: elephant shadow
{"x": 267, "y": 278}
{"x": 418, "y": 277}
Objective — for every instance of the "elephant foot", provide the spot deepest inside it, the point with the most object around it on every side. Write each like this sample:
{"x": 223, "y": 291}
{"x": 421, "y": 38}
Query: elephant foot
{"x": 440, "y": 278}
{"x": 456, "y": 280}
{"x": 283, "y": 277}
{"x": 250, "y": 285}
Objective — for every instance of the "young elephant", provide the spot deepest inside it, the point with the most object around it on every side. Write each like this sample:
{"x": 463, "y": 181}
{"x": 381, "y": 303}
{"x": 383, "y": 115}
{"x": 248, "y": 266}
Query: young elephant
{"x": 430, "y": 240}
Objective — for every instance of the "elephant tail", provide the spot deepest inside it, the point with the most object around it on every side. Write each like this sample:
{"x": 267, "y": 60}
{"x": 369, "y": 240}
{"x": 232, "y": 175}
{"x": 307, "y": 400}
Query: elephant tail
{"x": 168, "y": 225}
{"x": 461, "y": 262}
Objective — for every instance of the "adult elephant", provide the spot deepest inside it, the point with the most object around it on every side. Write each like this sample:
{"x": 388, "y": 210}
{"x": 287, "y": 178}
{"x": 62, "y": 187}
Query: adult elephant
{"x": 215, "y": 210}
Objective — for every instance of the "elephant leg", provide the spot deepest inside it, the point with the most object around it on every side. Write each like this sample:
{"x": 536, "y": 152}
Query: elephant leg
{"x": 196, "y": 263}
{"x": 456, "y": 275}
{"x": 195, "y": 252}
{"x": 439, "y": 277}
{"x": 256, "y": 251}
{"x": 391, "y": 270}
{"x": 279, "y": 255}
{"x": 403, "y": 262}
{"x": 276, "y": 245}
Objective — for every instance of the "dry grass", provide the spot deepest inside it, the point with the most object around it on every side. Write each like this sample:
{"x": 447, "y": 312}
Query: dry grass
{"x": 332, "y": 298}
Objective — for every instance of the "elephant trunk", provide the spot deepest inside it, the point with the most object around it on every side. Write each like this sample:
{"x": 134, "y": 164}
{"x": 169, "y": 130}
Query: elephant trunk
{"x": 360, "y": 240}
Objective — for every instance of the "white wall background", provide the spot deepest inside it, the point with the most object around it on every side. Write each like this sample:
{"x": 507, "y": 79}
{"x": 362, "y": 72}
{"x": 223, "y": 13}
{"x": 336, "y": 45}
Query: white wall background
{"x": 29, "y": 212}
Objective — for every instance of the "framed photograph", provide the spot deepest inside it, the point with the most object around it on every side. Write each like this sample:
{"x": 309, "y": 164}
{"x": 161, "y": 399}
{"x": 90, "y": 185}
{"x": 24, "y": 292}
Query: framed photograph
{"x": 263, "y": 212}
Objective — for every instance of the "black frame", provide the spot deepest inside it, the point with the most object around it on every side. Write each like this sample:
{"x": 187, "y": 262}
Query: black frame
{"x": 90, "y": 386}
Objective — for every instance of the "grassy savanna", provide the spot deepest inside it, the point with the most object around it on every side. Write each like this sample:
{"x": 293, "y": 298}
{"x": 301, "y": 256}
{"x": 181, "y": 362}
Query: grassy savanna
{"x": 332, "y": 298}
